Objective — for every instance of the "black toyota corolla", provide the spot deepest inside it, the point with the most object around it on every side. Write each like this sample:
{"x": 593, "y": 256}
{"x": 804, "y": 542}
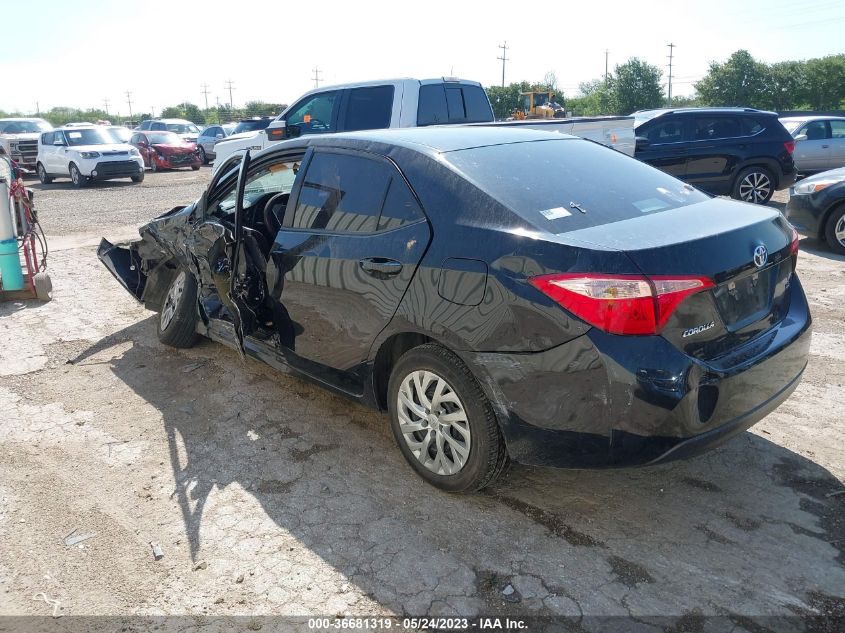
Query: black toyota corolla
{"x": 502, "y": 294}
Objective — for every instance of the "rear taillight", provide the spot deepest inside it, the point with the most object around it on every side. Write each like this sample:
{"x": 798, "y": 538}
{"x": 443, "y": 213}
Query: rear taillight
{"x": 793, "y": 245}
{"x": 789, "y": 145}
{"x": 620, "y": 304}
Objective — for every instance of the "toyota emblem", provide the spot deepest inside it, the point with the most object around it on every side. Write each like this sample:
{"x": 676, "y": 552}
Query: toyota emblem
{"x": 761, "y": 256}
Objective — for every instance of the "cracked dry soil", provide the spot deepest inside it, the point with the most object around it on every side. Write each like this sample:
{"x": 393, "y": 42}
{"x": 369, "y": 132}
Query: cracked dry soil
{"x": 299, "y": 502}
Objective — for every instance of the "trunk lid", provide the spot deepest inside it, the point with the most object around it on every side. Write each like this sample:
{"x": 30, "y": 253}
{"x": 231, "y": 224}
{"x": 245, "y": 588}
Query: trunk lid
{"x": 743, "y": 248}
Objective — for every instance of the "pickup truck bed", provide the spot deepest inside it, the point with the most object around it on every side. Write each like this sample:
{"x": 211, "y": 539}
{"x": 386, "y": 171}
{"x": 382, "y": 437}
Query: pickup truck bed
{"x": 614, "y": 131}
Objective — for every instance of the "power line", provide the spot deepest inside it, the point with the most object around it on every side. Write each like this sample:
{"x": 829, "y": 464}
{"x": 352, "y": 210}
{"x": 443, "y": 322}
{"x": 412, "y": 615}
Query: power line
{"x": 204, "y": 91}
{"x": 316, "y": 76}
{"x": 504, "y": 59}
{"x": 229, "y": 84}
{"x": 671, "y": 53}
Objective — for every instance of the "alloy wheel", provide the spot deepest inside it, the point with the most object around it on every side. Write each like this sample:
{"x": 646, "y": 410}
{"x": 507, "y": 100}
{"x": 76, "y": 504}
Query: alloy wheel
{"x": 839, "y": 231}
{"x": 75, "y": 176}
{"x": 755, "y": 187}
{"x": 171, "y": 301}
{"x": 433, "y": 422}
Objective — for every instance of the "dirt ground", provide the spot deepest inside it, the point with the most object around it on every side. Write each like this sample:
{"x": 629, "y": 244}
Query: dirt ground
{"x": 268, "y": 495}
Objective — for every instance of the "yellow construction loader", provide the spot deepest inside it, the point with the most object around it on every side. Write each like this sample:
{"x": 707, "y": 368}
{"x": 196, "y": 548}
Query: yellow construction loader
{"x": 538, "y": 105}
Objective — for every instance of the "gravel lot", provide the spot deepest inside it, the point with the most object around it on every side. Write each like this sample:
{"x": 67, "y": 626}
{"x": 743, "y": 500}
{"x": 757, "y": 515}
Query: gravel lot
{"x": 270, "y": 496}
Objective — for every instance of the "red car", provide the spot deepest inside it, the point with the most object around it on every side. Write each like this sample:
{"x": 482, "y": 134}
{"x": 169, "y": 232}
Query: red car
{"x": 166, "y": 150}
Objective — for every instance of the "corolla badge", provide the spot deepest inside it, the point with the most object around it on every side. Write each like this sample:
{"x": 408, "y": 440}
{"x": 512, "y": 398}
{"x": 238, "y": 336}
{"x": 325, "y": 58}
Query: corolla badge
{"x": 698, "y": 329}
{"x": 761, "y": 256}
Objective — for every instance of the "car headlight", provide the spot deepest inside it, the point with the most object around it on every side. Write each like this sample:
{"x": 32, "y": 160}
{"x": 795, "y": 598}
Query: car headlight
{"x": 89, "y": 154}
{"x": 803, "y": 188}
{"x": 134, "y": 152}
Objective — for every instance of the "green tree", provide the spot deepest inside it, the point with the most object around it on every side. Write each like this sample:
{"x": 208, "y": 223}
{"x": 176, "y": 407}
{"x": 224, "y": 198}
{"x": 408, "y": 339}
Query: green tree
{"x": 636, "y": 86}
{"x": 596, "y": 98}
{"x": 825, "y": 82}
{"x": 740, "y": 81}
{"x": 506, "y": 100}
{"x": 787, "y": 86}
{"x": 261, "y": 108}
{"x": 184, "y": 110}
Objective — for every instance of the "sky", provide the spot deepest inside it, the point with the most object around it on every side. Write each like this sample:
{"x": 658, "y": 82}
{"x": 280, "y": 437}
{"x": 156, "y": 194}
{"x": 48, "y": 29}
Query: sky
{"x": 79, "y": 54}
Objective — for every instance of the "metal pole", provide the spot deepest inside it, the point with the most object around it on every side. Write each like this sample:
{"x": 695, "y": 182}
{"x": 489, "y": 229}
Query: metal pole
{"x": 671, "y": 52}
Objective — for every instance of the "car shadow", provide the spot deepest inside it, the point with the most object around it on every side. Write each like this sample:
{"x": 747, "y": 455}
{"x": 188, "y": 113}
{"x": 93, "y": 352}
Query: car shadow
{"x": 820, "y": 248}
{"x": 62, "y": 185}
{"x": 712, "y": 533}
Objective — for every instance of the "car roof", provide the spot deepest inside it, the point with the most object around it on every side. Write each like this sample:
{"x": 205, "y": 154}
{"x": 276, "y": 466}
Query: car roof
{"x": 705, "y": 110}
{"x": 812, "y": 117}
{"x": 442, "y": 138}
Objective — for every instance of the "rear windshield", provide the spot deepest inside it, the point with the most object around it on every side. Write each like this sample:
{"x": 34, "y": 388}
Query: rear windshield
{"x": 452, "y": 103}
{"x": 569, "y": 184}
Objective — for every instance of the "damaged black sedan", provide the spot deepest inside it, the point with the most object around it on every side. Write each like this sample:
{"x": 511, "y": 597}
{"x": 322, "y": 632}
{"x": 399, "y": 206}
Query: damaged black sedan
{"x": 502, "y": 294}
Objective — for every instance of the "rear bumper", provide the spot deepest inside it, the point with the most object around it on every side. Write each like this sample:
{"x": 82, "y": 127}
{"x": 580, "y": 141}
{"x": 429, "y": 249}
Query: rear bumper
{"x": 611, "y": 401}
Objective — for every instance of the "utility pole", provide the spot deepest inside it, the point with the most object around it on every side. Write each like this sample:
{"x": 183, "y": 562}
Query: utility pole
{"x": 229, "y": 84}
{"x": 606, "y": 53}
{"x": 504, "y": 58}
{"x": 129, "y": 103}
{"x": 316, "y": 76}
{"x": 37, "y": 109}
{"x": 671, "y": 54}
{"x": 153, "y": 112}
{"x": 106, "y": 105}
{"x": 205, "y": 92}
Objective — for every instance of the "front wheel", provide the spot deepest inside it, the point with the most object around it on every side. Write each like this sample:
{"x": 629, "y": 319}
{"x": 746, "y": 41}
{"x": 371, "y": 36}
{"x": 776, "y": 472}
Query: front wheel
{"x": 138, "y": 178}
{"x": 177, "y": 321}
{"x": 153, "y": 166}
{"x": 442, "y": 421}
{"x": 42, "y": 175}
{"x": 834, "y": 230}
{"x": 755, "y": 185}
{"x": 203, "y": 156}
{"x": 76, "y": 176}
{"x": 195, "y": 167}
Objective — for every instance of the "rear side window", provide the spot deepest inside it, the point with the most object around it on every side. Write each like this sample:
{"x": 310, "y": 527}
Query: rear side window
{"x": 569, "y": 184}
{"x": 837, "y": 129}
{"x": 452, "y": 103}
{"x": 400, "y": 206}
{"x": 751, "y": 126}
{"x": 712, "y": 128}
{"x": 369, "y": 108}
{"x": 668, "y": 131}
{"x": 342, "y": 193}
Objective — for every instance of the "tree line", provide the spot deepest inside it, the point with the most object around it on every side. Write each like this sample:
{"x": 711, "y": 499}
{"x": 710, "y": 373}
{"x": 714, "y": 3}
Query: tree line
{"x": 222, "y": 114}
{"x": 814, "y": 84}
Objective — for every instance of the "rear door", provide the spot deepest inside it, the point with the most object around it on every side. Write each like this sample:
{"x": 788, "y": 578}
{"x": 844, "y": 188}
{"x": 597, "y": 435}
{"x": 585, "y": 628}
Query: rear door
{"x": 351, "y": 239}
{"x": 667, "y": 148}
{"x": 812, "y": 147}
{"x": 368, "y": 108}
{"x": 714, "y": 151}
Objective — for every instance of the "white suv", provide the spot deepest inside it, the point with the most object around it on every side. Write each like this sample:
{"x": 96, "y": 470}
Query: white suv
{"x": 19, "y": 139}
{"x": 86, "y": 154}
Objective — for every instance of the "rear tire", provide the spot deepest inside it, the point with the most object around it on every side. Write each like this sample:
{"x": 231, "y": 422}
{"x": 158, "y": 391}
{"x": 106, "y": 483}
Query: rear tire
{"x": 177, "y": 322}
{"x": 42, "y": 174}
{"x": 755, "y": 185}
{"x": 195, "y": 167}
{"x": 834, "y": 230}
{"x": 203, "y": 157}
{"x": 452, "y": 440}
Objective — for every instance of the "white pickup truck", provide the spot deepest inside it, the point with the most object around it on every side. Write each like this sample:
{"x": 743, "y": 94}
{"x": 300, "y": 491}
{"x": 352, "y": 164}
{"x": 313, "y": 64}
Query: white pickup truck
{"x": 411, "y": 103}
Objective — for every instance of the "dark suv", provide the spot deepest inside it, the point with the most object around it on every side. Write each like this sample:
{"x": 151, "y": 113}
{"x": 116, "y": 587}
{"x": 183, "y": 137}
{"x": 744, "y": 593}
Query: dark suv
{"x": 741, "y": 152}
